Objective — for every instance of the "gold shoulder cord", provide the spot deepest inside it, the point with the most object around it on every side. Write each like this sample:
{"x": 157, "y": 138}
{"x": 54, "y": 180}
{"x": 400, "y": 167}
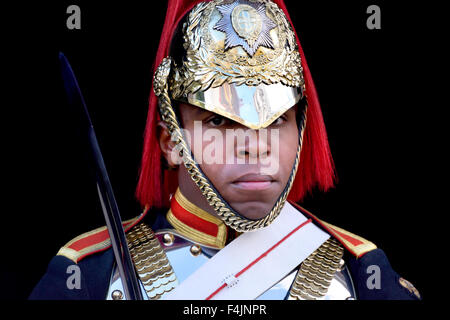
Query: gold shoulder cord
{"x": 316, "y": 272}
{"x": 150, "y": 261}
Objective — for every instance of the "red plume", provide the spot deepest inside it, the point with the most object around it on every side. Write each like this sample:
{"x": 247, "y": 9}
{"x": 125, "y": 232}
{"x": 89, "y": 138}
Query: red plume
{"x": 316, "y": 168}
{"x": 153, "y": 185}
{"x": 316, "y": 164}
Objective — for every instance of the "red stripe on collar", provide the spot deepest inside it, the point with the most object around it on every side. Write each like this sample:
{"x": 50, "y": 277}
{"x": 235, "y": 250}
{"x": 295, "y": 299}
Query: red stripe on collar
{"x": 195, "y": 223}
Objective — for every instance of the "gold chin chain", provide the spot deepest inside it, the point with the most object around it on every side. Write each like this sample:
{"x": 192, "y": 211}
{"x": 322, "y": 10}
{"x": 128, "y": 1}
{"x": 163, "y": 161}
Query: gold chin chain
{"x": 316, "y": 272}
{"x": 150, "y": 261}
{"x": 230, "y": 218}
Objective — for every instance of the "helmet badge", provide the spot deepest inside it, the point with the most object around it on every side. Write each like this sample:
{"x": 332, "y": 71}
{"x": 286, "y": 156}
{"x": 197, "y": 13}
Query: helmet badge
{"x": 245, "y": 24}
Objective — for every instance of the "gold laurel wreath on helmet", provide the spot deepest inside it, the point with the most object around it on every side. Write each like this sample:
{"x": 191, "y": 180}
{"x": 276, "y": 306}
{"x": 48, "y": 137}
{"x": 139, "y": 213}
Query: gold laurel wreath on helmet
{"x": 209, "y": 64}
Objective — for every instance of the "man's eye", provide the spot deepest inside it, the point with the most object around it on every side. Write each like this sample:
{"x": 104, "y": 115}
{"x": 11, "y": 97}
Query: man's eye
{"x": 278, "y": 121}
{"x": 216, "y": 121}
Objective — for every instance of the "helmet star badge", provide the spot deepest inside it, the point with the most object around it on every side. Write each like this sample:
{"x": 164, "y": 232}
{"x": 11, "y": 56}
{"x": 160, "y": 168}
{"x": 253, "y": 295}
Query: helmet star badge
{"x": 245, "y": 24}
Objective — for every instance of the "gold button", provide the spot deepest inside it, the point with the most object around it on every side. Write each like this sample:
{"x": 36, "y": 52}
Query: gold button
{"x": 168, "y": 239}
{"x": 341, "y": 265}
{"x": 195, "y": 250}
{"x": 117, "y": 295}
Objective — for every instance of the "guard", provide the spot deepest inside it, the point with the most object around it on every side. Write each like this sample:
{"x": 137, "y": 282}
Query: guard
{"x": 234, "y": 140}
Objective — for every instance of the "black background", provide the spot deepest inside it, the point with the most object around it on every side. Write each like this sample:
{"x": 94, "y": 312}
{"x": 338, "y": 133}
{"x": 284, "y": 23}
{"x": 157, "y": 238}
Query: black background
{"x": 370, "y": 84}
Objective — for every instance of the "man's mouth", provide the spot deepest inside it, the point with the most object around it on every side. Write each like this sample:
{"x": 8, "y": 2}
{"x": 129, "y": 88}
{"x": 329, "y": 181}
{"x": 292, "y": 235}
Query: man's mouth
{"x": 253, "y": 182}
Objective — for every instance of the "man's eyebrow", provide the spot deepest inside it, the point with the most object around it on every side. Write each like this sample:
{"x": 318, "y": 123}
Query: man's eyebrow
{"x": 201, "y": 111}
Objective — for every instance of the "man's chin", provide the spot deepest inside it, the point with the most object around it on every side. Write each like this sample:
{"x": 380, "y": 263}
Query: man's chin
{"x": 253, "y": 210}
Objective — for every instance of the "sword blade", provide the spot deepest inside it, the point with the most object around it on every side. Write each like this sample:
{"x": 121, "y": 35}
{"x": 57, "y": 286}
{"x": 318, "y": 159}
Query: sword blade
{"x": 104, "y": 188}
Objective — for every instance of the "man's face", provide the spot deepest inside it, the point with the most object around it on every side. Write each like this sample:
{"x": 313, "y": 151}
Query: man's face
{"x": 249, "y": 168}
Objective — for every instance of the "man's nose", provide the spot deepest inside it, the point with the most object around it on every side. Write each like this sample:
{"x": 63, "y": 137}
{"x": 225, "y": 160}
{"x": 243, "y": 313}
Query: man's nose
{"x": 255, "y": 144}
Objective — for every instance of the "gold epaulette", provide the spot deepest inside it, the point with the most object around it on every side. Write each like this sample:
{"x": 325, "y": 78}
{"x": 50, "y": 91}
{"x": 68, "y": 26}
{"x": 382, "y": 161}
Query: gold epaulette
{"x": 93, "y": 241}
{"x": 356, "y": 245}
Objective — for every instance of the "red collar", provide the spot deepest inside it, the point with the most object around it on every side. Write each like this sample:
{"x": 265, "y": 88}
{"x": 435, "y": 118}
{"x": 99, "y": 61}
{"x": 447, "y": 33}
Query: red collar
{"x": 196, "y": 224}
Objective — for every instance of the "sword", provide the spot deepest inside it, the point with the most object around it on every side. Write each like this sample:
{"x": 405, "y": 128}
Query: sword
{"x": 108, "y": 202}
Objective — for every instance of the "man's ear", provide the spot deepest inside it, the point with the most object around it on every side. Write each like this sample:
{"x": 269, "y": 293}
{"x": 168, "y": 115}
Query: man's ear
{"x": 167, "y": 145}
